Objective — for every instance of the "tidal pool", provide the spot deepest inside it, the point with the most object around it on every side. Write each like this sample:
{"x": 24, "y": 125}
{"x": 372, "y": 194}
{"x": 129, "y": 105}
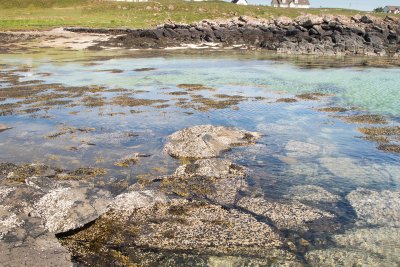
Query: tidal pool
{"x": 71, "y": 110}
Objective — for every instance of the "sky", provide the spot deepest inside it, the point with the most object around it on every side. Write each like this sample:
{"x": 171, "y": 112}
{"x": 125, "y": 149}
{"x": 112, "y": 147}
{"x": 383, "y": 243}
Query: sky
{"x": 354, "y": 4}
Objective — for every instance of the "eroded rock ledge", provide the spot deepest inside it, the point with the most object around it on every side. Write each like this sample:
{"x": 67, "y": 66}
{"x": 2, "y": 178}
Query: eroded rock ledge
{"x": 307, "y": 34}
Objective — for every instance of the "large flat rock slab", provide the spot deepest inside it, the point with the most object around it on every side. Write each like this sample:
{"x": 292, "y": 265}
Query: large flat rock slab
{"x": 207, "y": 141}
{"x": 180, "y": 225}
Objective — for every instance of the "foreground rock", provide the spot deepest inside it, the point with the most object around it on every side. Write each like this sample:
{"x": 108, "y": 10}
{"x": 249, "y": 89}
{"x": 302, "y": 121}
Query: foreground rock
{"x": 65, "y": 208}
{"x": 307, "y": 34}
{"x": 44, "y": 250}
{"x": 35, "y": 204}
{"x": 181, "y": 225}
{"x": 376, "y": 208}
{"x": 207, "y": 141}
{"x": 23, "y": 239}
{"x": 217, "y": 180}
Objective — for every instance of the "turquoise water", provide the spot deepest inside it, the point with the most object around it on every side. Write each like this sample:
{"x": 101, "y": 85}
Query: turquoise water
{"x": 340, "y": 161}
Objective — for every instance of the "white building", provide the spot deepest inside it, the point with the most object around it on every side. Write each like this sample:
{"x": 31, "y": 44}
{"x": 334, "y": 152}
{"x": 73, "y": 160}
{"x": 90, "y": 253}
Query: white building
{"x": 291, "y": 3}
{"x": 392, "y": 9}
{"x": 240, "y": 2}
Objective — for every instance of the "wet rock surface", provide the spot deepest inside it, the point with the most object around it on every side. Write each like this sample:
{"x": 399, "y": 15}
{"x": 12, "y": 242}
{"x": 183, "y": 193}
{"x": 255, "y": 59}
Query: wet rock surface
{"x": 376, "y": 208}
{"x": 207, "y": 141}
{"x": 311, "y": 193}
{"x": 377, "y": 245}
{"x": 182, "y": 225}
{"x": 285, "y": 215}
{"x": 307, "y": 34}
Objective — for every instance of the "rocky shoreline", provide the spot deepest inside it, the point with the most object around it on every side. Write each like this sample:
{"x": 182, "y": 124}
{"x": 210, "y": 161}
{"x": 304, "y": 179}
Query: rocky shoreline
{"x": 307, "y": 34}
{"x": 204, "y": 212}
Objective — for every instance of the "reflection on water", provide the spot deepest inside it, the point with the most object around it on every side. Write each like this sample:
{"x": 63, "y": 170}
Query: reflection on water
{"x": 88, "y": 111}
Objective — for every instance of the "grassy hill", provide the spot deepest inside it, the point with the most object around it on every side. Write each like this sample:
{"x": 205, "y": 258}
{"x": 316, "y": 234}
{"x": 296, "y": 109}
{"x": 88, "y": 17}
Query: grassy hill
{"x": 42, "y": 14}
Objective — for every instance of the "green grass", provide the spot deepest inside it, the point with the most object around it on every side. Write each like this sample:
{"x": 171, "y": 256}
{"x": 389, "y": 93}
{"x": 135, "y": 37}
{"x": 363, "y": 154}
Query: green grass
{"x": 43, "y": 14}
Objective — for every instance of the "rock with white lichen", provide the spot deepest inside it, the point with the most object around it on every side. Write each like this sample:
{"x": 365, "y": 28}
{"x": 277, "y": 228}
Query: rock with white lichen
{"x": 64, "y": 209}
{"x": 207, "y": 141}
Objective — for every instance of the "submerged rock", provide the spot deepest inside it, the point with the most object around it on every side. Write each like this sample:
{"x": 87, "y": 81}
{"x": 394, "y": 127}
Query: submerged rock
{"x": 207, "y": 141}
{"x": 343, "y": 257}
{"x": 311, "y": 193}
{"x": 362, "y": 174}
{"x": 284, "y": 215}
{"x": 360, "y": 247}
{"x": 376, "y": 208}
{"x": 218, "y": 180}
{"x": 302, "y": 149}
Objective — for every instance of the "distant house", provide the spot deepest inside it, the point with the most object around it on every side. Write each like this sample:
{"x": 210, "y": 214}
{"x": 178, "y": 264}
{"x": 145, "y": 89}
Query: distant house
{"x": 291, "y": 3}
{"x": 240, "y": 2}
{"x": 392, "y": 9}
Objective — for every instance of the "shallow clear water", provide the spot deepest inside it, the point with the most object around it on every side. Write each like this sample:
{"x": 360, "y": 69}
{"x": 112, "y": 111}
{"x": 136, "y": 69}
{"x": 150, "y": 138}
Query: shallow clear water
{"x": 340, "y": 161}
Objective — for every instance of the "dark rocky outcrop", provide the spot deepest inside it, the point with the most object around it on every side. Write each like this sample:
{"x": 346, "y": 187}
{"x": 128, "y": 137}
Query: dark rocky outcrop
{"x": 308, "y": 34}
